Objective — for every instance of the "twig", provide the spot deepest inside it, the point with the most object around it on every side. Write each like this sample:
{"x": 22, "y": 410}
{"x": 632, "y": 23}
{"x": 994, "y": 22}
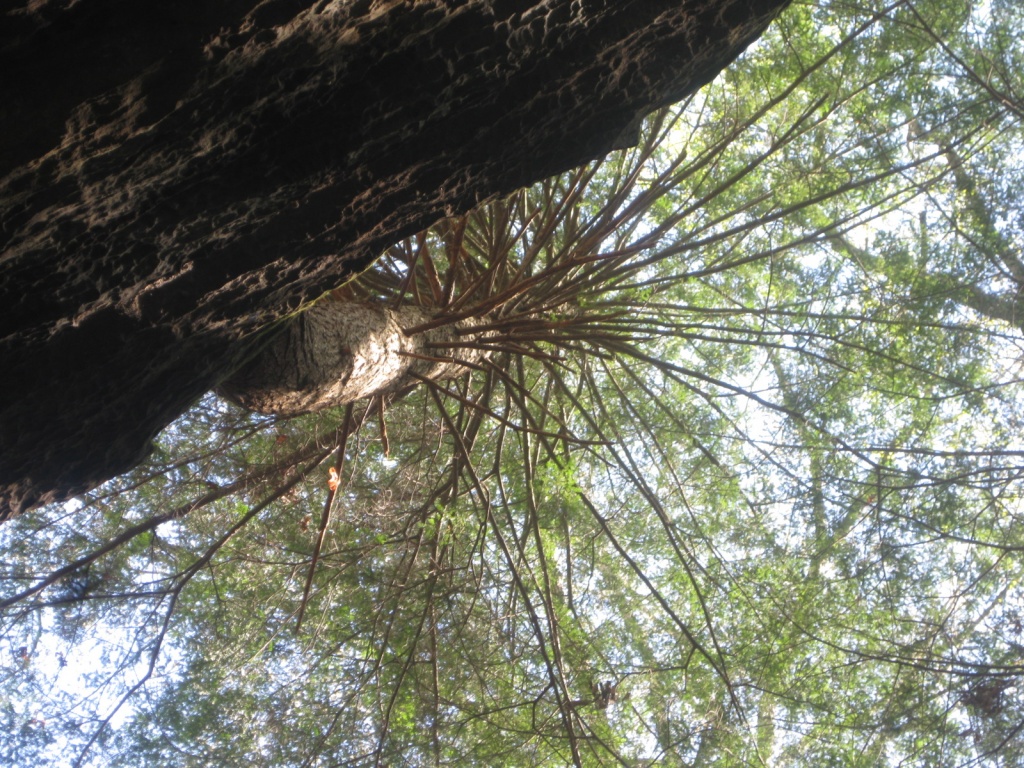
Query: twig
{"x": 325, "y": 517}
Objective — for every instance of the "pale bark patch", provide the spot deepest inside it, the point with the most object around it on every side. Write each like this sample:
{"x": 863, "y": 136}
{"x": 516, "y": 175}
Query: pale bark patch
{"x": 341, "y": 352}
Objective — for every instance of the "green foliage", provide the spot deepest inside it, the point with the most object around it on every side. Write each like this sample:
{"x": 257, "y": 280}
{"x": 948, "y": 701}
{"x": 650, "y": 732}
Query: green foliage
{"x": 738, "y": 484}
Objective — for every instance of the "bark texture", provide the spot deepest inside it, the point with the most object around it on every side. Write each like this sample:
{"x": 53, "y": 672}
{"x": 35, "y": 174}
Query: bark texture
{"x": 176, "y": 177}
{"x": 341, "y": 352}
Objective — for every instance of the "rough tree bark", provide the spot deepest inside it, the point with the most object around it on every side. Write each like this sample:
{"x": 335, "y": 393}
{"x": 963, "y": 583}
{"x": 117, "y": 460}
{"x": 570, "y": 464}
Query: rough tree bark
{"x": 176, "y": 177}
{"x": 341, "y": 352}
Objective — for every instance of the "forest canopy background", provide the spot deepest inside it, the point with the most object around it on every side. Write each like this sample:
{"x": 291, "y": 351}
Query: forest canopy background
{"x": 735, "y": 478}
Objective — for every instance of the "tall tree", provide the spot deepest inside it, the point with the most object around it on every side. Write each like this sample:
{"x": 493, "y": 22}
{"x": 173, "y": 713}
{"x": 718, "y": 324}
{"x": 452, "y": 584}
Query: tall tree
{"x": 729, "y": 476}
{"x": 177, "y": 178}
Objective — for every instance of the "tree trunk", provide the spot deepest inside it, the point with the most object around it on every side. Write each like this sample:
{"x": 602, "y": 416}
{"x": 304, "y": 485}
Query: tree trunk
{"x": 341, "y": 352}
{"x": 176, "y": 177}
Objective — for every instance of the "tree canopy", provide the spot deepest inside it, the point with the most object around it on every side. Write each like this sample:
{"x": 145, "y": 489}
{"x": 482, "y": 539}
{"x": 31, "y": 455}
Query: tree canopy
{"x": 731, "y": 473}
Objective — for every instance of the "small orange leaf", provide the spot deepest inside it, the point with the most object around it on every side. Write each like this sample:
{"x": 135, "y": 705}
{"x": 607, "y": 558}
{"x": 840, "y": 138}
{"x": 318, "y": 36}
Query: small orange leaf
{"x": 333, "y": 481}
